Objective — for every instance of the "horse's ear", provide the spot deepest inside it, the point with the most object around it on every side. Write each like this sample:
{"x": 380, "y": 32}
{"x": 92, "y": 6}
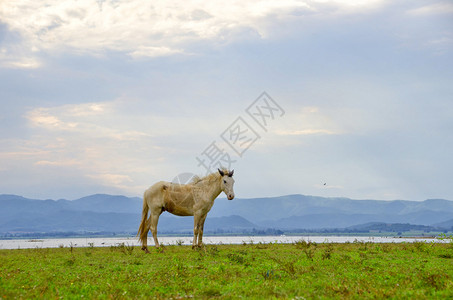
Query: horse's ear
{"x": 231, "y": 173}
{"x": 221, "y": 172}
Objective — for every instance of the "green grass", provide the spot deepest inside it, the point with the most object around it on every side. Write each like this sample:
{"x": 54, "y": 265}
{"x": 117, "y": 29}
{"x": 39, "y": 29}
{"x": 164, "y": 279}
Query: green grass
{"x": 300, "y": 270}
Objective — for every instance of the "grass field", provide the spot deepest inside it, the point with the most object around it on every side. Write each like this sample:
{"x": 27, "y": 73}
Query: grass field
{"x": 299, "y": 270}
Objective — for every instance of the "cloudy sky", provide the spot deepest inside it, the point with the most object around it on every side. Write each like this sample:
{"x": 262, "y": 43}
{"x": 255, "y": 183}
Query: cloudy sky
{"x": 112, "y": 96}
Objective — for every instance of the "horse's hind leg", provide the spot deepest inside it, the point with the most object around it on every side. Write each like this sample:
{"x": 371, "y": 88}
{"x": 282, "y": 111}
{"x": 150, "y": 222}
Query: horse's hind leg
{"x": 154, "y": 219}
{"x": 145, "y": 235}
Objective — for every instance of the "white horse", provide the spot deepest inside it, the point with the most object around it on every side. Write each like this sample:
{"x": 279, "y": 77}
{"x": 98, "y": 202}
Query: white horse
{"x": 193, "y": 199}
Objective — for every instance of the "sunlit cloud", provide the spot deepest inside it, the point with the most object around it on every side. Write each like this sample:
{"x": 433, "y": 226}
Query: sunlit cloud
{"x": 83, "y": 118}
{"x": 109, "y": 142}
{"x": 106, "y": 120}
{"x": 57, "y": 163}
{"x": 26, "y": 154}
{"x": 112, "y": 179}
{"x": 20, "y": 63}
{"x": 42, "y": 118}
{"x": 14, "y": 59}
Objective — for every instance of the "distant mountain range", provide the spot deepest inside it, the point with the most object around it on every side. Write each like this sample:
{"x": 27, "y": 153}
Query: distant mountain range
{"x": 120, "y": 214}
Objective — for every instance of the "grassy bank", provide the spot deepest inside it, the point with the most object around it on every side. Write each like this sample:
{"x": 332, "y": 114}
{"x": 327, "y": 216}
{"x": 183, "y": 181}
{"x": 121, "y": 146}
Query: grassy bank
{"x": 353, "y": 270}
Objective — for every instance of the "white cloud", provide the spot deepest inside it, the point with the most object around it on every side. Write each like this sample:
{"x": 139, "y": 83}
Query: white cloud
{"x": 309, "y": 120}
{"x": 304, "y": 132}
{"x": 145, "y": 28}
{"x": 439, "y": 8}
{"x": 144, "y": 51}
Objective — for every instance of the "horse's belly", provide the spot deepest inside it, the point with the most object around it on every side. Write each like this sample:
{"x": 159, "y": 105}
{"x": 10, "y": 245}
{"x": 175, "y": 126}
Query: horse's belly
{"x": 176, "y": 209}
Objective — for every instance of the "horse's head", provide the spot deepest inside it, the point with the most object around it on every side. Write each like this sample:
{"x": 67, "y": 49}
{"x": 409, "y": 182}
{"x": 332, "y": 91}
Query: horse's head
{"x": 227, "y": 183}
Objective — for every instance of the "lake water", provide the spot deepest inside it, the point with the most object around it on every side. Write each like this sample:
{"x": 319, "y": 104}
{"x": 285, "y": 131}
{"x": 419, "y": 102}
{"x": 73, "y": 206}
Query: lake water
{"x": 210, "y": 240}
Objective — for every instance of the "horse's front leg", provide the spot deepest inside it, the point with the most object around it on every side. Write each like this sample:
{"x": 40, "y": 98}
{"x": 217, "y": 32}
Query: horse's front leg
{"x": 200, "y": 230}
{"x": 196, "y": 228}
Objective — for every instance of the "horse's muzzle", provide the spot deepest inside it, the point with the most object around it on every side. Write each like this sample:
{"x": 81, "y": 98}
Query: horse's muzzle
{"x": 230, "y": 197}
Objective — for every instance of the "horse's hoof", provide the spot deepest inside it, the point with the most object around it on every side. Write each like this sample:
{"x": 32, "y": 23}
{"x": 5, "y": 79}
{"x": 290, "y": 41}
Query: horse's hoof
{"x": 145, "y": 249}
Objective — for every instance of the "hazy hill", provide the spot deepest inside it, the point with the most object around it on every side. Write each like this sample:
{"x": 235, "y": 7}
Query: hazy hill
{"x": 96, "y": 213}
{"x": 107, "y": 203}
{"x": 259, "y": 210}
{"x": 122, "y": 214}
{"x": 447, "y": 224}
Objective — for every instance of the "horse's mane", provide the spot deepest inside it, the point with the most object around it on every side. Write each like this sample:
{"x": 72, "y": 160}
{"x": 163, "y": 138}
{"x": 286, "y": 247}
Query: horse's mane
{"x": 210, "y": 177}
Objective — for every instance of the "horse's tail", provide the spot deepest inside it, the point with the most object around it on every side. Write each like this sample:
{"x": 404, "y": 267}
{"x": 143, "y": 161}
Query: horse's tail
{"x": 143, "y": 229}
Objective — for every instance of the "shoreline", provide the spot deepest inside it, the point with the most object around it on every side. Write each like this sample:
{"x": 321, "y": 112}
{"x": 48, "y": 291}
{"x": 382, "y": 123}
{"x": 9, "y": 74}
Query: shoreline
{"x": 208, "y": 240}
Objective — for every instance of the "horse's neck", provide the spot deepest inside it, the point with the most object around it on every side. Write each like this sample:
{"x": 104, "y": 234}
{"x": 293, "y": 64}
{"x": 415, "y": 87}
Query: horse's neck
{"x": 212, "y": 189}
